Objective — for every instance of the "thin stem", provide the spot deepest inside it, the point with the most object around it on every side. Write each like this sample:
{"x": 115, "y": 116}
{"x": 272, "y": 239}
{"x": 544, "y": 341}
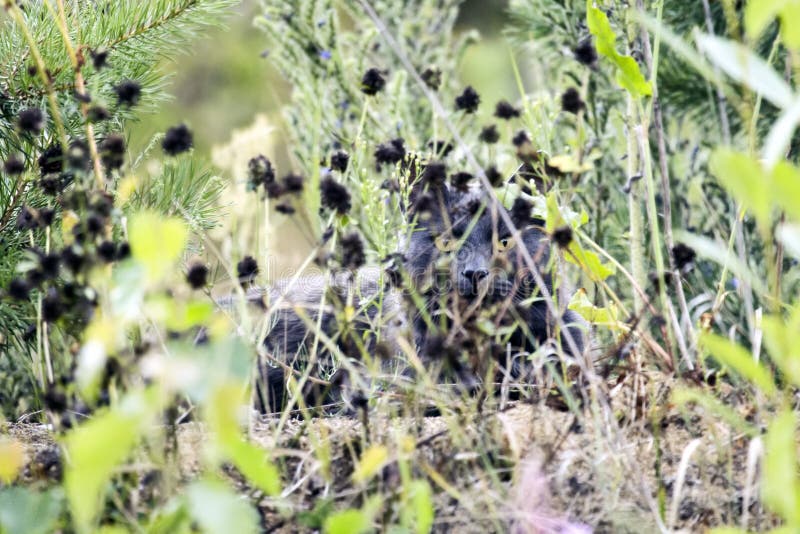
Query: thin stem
{"x": 651, "y": 59}
{"x": 80, "y": 87}
{"x": 55, "y": 111}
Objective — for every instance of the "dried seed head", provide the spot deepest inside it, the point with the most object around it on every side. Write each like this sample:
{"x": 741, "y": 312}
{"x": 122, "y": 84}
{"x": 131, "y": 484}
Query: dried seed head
{"x": 353, "y": 255}
{"x": 293, "y": 183}
{"x": 468, "y": 100}
{"x": 178, "y": 139}
{"x": 562, "y": 236}
{"x": 571, "y": 101}
{"x": 504, "y": 110}
{"x": 461, "y": 180}
{"x": 14, "y": 166}
{"x": 197, "y": 276}
{"x": 112, "y": 151}
{"x": 432, "y": 76}
{"x": 128, "y": 92}
{"x": 339, "y": 160}
{"x": 334, "y": 195}
{"x": 247, "y": 269}
{"x": 19, "y": 289}
{"x": 372, "y": 82}
{"x": 489, "y": 134}
{"x": 31, "y": 120}
{"x": 585, "y": 53}
{"x": 684, "y": 256}
{"x": 99, "y": 58}
{"x": 521, "y": 212}
{"x": 390, "y": 152}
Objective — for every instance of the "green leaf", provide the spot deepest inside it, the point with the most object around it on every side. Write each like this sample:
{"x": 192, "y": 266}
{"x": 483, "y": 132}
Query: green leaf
{"x": 785, "y": 188}
{"x": 217, "y": 508}
{"x": 790, "y": 13}
{"x": 371, "y": 461}
{"x": 348, "y": 522}
{"x": 740, "y": 361}
{"x": 779, "y": 486}
{"x": 23, "y": 511}
{"x": 173, "y": 519}
{"x": 254, "y": 464}
{"x": 589, "y": 262}
{"x": 781, "y": 342}
{"x": 353, "y": 521}
{"x": 628, "y": 75}
{"x": 156, "y": 241}
{"x": 741, "y": 64}
{"x": 745, "y": 179}
{"x": 608, "y": 316}
{"x": 96, "y": 448}
{"x": 759, "y": 13}
{"x": 422, "y": 505}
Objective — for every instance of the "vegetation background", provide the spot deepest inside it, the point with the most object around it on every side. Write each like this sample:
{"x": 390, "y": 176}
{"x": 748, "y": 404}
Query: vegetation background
{"x": 657, "y": 140}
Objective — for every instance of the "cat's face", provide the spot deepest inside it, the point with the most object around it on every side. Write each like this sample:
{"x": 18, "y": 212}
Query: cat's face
{"x": 461, "y": 242}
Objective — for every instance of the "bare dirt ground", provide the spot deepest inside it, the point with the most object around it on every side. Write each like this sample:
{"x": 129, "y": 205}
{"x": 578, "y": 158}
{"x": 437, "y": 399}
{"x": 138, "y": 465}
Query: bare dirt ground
{"x": 523, "y": 468}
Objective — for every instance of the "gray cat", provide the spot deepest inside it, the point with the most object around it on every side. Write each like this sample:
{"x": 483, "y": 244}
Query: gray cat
{"x": 461, "y": 291}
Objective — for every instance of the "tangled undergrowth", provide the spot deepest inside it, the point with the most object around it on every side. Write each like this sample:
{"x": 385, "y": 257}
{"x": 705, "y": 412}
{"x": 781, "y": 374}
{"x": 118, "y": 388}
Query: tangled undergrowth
{"x": 624, "y": 360}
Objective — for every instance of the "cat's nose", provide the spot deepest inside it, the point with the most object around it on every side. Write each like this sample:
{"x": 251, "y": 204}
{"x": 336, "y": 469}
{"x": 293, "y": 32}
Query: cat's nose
{"x": 475, "y": 276}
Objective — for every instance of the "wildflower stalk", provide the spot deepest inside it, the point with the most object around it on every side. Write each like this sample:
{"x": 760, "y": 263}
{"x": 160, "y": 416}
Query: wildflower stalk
{"x": 651, "y": 57}
{"x": 737, "y": 232}
{"x": 41, "y": 69}
{"x": 635, "y": 217}
{"x": 80, "y": 87}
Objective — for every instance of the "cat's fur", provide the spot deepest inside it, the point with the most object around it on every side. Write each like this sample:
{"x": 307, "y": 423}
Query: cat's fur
{"x": 473, "y": 280}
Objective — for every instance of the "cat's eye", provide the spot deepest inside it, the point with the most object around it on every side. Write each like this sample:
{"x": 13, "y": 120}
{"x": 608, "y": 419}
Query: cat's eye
{"x": 445, "y": 244}
{"x": 505, "y": 244}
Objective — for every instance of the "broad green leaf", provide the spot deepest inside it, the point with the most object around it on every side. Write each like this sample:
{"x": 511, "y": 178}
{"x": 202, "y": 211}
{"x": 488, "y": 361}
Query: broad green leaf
{"x": 217, "y": 508}
{"x": 789, "y": 30}
{"x": 628, "y": 75}
{"x": 422, "y": 505}
{"x": 783, "y": 347}
{"x": 779, "y": 486}
{"x": 556, "y": 216}
{"x": 96, "y": 448}
{"x": 589, "y": 262}
{"x": 745, "y": 179}
{"x": 353, "y": 521}
{"x": 348, "y": 522}
{"x": 785, "y": 189}
{"x": 23, "y": 511}
{"x": 12, "y": 458}
{"x": 740, "y": 361}
{"x": 254, "y": 464}
{"x": 759, "y": 13}
{"x": 607, "y": 316}
{"x": 738, "y": 62}
{"x": 568, "y": 163}
{"x": 156, "y": 241}
{"x": 172, "y": 519}
{"x": 371, "y": 461}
